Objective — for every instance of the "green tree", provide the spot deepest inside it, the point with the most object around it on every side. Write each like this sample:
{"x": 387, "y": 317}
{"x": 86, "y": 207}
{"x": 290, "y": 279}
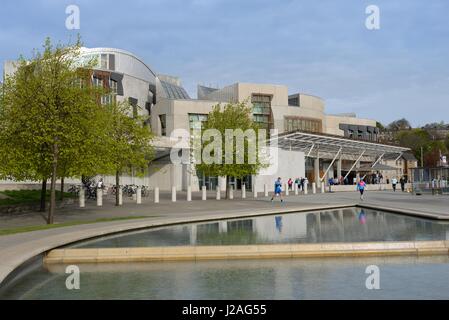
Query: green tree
{"x": 380, "y": 126}
{"x": 50, "y": 118}
{"x": 129, "y": 145}
{"x": 233, "y": 116}
{"x": 401, "y": 124}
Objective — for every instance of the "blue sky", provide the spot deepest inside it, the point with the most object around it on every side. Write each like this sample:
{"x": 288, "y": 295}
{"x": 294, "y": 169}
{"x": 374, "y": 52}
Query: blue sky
{"x": 317, "y": 47}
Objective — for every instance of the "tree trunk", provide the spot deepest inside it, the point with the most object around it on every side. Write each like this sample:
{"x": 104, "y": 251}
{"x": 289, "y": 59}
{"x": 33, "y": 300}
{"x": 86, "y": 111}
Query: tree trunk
{"x": 117, "y": 187}
{"x": 51, "y": 211}
{"x": 61, "y": 197}
{"x": 228, "y": 187}
{"x": 43, "y": 195}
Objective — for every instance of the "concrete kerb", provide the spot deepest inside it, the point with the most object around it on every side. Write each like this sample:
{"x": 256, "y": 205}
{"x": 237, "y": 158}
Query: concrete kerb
{"x": 264, "y": 251}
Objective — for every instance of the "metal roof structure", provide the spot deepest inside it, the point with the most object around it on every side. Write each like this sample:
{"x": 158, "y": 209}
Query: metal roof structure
{"x": 327, "y": 146}
{"x": 173, "y": 91}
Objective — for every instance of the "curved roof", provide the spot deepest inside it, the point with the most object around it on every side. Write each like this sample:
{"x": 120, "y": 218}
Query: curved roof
{"x": 151, "y": 74}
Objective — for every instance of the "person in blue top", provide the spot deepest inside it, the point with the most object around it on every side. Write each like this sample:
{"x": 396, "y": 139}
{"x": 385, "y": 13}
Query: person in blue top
{"x": 361, "y": 187}
{"x": 278, "y": 189}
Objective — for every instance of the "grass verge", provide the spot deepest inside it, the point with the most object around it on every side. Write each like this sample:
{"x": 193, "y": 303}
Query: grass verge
{"x": 4, "y": 232}
{"x": 15, "y": 197}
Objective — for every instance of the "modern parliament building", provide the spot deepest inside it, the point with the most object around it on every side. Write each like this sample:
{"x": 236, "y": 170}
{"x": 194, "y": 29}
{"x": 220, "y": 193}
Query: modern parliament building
{"x": 310, "y": 143}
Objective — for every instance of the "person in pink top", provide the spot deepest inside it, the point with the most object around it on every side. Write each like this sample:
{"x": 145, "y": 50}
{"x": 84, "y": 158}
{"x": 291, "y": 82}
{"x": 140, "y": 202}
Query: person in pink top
{"x": 361, "y": 187}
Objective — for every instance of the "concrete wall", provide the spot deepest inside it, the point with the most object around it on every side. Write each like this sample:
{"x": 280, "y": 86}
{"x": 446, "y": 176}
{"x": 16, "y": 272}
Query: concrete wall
{"x": 287, "y": 164}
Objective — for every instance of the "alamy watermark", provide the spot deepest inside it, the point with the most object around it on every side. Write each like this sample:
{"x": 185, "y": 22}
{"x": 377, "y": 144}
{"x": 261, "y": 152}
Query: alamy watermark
{"x": 373, "y": 280}
{"x": 73, "y": 281}
{"x": 234, "y": 147}
{"x": 372, "y": 22}
{"x": 73, "y": 20}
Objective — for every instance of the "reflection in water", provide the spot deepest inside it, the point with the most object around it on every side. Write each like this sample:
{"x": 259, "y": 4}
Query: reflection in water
{"x": 402, "y": 278}
{"x": 362, "y": 217}
{"x": 343, "y": 225}
{"x": 278, "y": 221}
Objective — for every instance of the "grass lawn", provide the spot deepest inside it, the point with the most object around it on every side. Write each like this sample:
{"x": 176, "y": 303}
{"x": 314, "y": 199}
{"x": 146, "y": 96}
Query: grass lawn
{"x": 13, "y": 197}
{"x": 4, "y": 232}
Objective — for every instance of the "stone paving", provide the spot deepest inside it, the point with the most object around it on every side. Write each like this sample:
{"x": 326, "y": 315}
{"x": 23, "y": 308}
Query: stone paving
{"x": 18, "y": 248}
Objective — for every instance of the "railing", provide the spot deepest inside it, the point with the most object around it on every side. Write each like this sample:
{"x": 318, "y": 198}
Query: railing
{"x": 431, "y": 187}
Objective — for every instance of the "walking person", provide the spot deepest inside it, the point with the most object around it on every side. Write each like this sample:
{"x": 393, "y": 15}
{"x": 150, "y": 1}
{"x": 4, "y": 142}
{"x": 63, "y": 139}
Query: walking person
{"x": 394, "y": 182}
{"x": 361, "y": 187}
{"x": 290, "y": 184}
{"x": 298, "y": 183}
{"x": 402, "y": 182}
{"x": 278, "y": 189}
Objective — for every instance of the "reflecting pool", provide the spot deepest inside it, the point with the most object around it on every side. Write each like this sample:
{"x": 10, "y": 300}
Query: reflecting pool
{"x": 343, "y": 225}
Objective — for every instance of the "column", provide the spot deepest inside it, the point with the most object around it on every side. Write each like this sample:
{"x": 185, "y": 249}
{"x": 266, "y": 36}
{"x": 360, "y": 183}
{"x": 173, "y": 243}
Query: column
{"x": 82, "y": 197}
{"x": 156, "y": 195}
{"x": 316, "y": 168}
{"x": 139, "y": 195}
{"x": 339, "y": 165}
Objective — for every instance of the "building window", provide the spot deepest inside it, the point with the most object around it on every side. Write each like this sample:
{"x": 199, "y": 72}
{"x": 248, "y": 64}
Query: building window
{"x": 196, "y": 120}
{"x": 163, "y": 120}
{"x": 262, "y": 110}
{"x": 293, "y": 102}
{"x": 107, "y": 99}
{"x": 107, "y": 61}
{"x": 113, "y": 86}
{"x": 104, "y": 61}
{"x": 112, "y": 62}
{"x": 302, "y": 124}
{"x": 97, "y": 82}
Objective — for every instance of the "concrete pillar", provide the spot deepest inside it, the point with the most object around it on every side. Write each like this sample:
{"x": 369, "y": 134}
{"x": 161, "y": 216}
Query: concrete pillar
{"x": 99, "y": 197}
{"x": 231, "y": 192}
{"x": 314, "y": 188}
{"x": 82, "y": 197}
{"x": 322, "y": 187}
{"x": 286, "y": 189}
{"x": 156, "y": 195}
{"x": 295, "y": 186}
{"x": 306, "y": 187}
{"x": 316, "y": 169}
{"x": 254, "y": 191}
{"x": 139, "y": 195}
{"x": 203, "y": 193}
{"x": 189, "y": 193}
{"x": 173, "y": 194}
{"x": 120, "y": 196}
{"x": 265, "y": 190}
{"x": 243, "y": 191}
{"x": 218, "y": 193}
{"x": 339, "y": 165}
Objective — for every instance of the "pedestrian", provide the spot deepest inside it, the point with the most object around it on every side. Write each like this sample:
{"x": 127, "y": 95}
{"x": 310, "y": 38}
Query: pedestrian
{"x": 297, "y": 183}
{"x": 290, "y": 184}
{"x": 302, "y": 182}
{"x": 361, "y": 187}
{"x": 402, "y": 182}
{"x": 278, "y": 189}
{"x": 394, "y": 182}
